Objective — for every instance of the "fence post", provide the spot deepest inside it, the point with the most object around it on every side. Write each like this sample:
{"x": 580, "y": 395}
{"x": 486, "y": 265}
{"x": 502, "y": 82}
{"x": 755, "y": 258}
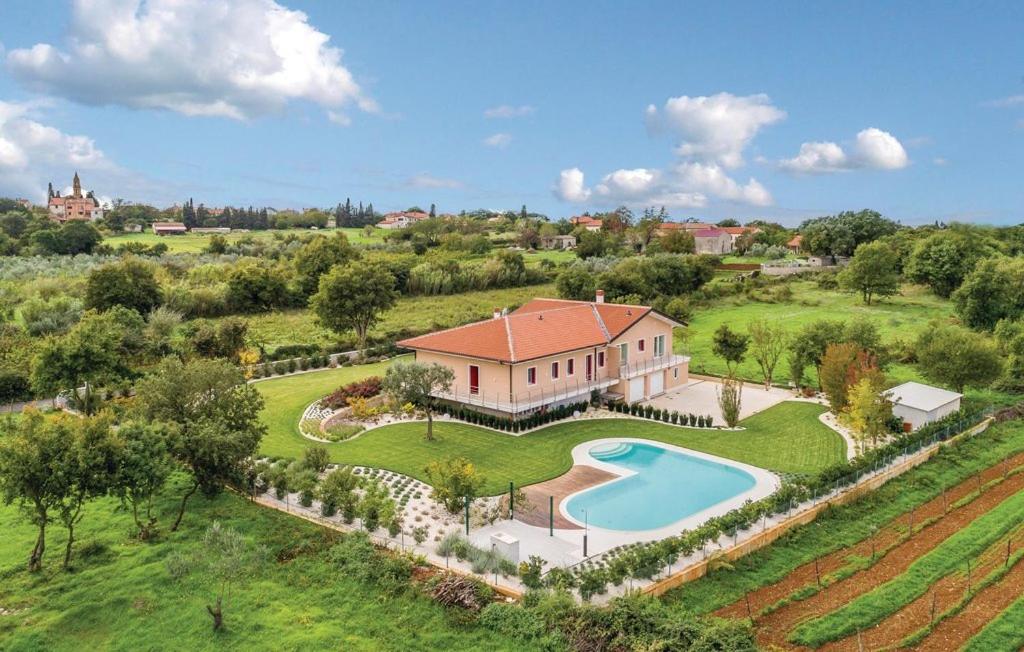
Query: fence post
{"x": 511, "y": 501}
{"x": 551, "y": 516}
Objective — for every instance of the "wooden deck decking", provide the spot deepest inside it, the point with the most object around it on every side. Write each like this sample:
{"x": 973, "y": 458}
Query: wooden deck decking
{"x": 578, "y": 478}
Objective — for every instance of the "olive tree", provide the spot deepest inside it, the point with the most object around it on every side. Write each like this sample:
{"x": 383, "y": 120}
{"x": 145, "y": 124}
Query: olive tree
{"x": 218, "y": 417}
{"x": 416, "y": 382}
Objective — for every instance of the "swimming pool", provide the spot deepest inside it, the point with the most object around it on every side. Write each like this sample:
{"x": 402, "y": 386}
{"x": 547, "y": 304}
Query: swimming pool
{"x": 666, "y": 486}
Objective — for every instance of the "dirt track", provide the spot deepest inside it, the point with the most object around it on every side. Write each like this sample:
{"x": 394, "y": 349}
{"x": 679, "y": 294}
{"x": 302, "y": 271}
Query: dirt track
{"x": 900, "y": 552}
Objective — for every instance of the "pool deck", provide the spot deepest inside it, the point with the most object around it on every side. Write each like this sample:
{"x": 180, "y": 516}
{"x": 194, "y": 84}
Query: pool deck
{"x": 578, "y": 478}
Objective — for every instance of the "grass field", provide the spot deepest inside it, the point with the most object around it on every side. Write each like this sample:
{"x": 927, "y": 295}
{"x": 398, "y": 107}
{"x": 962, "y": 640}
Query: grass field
{"x": 195, "y": 242}
{"x": 844, "y": 527}
{"x": 416, "y": 314}
{"x": 901, "y": 316}
{"x": 120, "y": 595}
{"x": 787, "y": 438}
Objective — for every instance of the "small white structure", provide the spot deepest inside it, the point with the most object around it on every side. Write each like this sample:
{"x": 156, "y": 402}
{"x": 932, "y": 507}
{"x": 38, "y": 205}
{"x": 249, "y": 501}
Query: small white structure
{"x": 506, "y": 545}
{"x": 918, "y": 404}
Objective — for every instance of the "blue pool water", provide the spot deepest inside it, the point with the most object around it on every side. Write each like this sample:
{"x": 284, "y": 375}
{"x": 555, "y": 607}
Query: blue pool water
{"x": 668, "y": 486}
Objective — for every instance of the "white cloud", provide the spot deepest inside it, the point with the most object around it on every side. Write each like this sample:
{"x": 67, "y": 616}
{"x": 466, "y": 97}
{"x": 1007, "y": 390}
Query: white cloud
{"x": 509, "y": 111}
{"x": 712, "y": 180}
{"x": 879, "y": 150}
{"x": 31, "y": 153}
{"x": 817, "y": 157}
{"x": 499, "y": 141}
{"x": 623, "y": 184}
{"x": 430, "y": 182}
{"x": 872, "y": 149}
{"x": 235, "y": 59}
{"x": 715, "y": 131}
{"x": 716, "y": 128}
{"x": 938, "y": 160}
{"x": 571, "y": 186}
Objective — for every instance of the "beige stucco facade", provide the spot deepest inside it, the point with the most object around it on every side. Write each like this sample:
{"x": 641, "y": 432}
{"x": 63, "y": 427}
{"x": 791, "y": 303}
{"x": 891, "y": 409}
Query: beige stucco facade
{"x": 650, "y": 369}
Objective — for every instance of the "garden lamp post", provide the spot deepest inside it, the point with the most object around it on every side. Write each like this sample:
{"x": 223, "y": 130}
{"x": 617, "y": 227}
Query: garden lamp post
{"x": 586, "y": 531}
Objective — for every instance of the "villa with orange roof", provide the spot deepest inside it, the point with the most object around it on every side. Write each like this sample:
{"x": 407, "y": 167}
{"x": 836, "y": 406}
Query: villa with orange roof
{"x": 552, "y": 352}
{"x": 586, "y": 222}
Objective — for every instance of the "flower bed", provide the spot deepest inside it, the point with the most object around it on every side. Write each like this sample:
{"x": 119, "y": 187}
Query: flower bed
{"x": 365, "y": 388}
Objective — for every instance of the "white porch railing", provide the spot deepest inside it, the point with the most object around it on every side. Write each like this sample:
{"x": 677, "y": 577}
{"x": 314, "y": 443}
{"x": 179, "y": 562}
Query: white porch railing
{"x": 529, "y": 399}
{"x": 641, "y": 367}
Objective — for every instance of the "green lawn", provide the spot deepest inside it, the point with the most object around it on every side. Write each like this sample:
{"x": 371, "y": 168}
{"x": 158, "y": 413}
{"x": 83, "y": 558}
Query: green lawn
{"x": 196, "y": 242}
{"x": 286, "y": 398}
{"x": 120, "y": 595}
{"x": 901, "y": 317}
{"x": 410, "y": 314}
{"x": 787, "y": 438}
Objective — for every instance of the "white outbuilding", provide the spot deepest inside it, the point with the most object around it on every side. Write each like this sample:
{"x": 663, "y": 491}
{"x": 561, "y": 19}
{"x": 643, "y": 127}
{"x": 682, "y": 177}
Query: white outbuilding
{"x": 919, "y": 404}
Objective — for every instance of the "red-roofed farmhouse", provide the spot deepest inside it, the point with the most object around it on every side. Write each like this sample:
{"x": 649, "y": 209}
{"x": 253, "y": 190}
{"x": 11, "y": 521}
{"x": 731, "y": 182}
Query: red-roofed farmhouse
{"x": 551, "y": 352}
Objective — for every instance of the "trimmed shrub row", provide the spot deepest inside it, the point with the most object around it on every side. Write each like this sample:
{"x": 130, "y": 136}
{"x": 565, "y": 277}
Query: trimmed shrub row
{"x": 507, "y": 424}
{"x": 664, "y": 415}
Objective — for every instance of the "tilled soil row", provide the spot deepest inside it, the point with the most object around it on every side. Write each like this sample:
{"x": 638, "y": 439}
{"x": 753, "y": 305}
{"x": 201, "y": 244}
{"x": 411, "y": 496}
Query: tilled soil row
{"x": 944, "y": 594}
{"x": 773, "y": 628}
{"x": 884, "y": 539}
{"x": 954, "y": 632}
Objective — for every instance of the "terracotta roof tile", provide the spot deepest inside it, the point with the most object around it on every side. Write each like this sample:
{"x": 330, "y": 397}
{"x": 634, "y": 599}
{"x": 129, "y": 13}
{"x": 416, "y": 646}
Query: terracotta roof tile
{"x": 541, "y": 328}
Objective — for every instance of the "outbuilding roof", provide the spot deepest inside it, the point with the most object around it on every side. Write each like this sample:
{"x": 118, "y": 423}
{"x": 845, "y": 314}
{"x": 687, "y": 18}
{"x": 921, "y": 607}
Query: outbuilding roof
{"x": 921, "y": 397}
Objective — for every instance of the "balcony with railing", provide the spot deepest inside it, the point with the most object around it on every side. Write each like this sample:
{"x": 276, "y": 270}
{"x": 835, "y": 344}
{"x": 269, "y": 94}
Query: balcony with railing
{"x": 641, "y": 367}
{"x": 530, "y": 399}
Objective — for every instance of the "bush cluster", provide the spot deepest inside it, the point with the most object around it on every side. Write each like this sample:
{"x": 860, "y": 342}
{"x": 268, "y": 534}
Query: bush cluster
{"x": 508, "y": 424}
{"x": 664, "y": 415}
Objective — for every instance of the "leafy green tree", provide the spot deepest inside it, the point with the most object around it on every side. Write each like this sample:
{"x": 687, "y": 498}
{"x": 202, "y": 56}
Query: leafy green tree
{"x": 75, "y": 237}
{"x": 678, "y": 241}
{"x": 590, "y": 244}
{"x": 839, "y": 235}
{"x": 453, "y": 480}
{"x": 872, "y": 272}
{"x": 992, "y": 291}
{"x": 352, "y": 297}
{"x": 253, "y": 287}
{"x": 767, "y": 344}
{"x": 89, "y": 470}
{"x": 218, "y": 417}
{"x": 129, "y": 283}
{"x": 318, "y": 256}
{"x": 576, "y": 282}
{"x": 99, "y": 350}
{"x": 942, "y": 260}
{"x": 50, "y": 316}
{"x": 338, "y": 489}
{"x": 730, "y": 346}
{"x": 217, "y": 245}
{"x": 228, "y": 559}
{"x": 957, "y": 357}
{"x": 144, "y": 465}
{"x": 416, "y": 382}
{"x": 33, "y": 454}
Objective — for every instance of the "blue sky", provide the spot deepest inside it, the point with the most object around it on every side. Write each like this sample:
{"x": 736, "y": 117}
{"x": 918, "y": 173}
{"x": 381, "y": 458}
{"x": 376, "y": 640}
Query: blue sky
{"x": 725, "y": 109}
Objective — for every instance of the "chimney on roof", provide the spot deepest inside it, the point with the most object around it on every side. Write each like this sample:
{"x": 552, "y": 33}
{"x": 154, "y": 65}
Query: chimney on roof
{"x": 600, "y": 296}
{"x": 497, "y": 313}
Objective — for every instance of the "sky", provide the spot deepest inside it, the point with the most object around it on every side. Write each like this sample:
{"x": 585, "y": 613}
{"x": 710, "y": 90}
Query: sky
{"x": 749, "y": 110}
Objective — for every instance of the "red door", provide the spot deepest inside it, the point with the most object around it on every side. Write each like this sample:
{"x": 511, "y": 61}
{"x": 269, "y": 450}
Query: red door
{"x": 590, "y": 367}
{"x": 474, "y": 379}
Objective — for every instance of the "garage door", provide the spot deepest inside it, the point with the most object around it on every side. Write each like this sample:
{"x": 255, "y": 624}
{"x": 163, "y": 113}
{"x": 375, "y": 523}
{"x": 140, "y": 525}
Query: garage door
{"x": 657, "y": 383}
{"x": 636, "y": 389}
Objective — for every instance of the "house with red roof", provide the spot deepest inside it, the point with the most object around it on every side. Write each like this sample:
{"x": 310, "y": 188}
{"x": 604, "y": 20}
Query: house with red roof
{"x": 795, "y": 243}
{"x": 552, "y": 352}
{"x": 401, "y": 219}
{"x": 587, "y": 222}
